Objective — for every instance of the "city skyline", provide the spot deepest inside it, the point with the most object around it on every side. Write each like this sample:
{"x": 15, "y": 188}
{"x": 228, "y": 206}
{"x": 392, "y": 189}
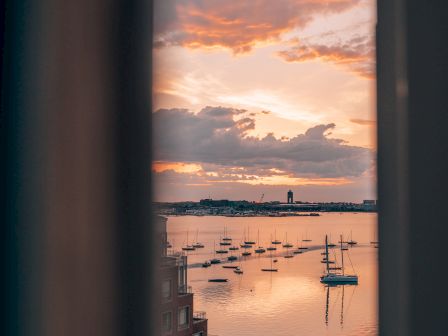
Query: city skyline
{"x": 261, "y": 97}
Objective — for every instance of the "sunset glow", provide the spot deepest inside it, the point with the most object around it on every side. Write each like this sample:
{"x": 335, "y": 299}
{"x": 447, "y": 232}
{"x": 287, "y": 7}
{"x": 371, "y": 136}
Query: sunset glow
{"x": 264, "y": 95}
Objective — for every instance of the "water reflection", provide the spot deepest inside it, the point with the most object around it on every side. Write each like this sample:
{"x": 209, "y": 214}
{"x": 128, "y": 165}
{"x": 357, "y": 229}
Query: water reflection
{"x": 340, "y": 288}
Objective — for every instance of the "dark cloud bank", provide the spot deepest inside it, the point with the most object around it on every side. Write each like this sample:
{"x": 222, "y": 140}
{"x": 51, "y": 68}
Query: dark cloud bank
{"x": 217, "y": 138}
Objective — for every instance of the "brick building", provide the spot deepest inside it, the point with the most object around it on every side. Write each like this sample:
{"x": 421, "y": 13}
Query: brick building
{"x": 178, "y": 317}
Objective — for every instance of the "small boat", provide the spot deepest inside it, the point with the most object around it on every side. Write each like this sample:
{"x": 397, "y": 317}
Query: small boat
{"x": 238, "y": 271}
{"x": 217, "y": 280}
{"x": 271, "y": 248}
{"x": 214, "y": 260}
{"x": 351, "y": 241}
{"x": 275, "y": 260}
{"x": 306, "y": 237}
{"x": 222, "y": 251}
{"x": 336, "y": 277}
{"x": 234, "y": 248}
{"x": 245, "y": 254}
{"x": 248, "y": 241}
{"x": 275, "y": 241}
{"x": 260, "y": 250}
{"x": 206, "y": 264}
{"x": 226, "y": 237}
{"x": 246, "y": 245}
{"x": 327, "y": 261}
{"x": 287, "y": 245}
{"x": 269, "y": 269}
{"x": 197, "y": 244}
{"x": 224, "y": 243}
{"x": 232, "y": 258}
{"x": 297, "y": 251}
{"x": 229, "y": 266}
{"x": 188, "y": 247}
{"x": 289, "y": 256}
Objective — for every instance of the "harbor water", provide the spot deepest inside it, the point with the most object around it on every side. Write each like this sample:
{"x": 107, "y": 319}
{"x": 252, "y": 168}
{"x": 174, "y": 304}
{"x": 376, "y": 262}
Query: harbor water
{"x": 291, "y": 301}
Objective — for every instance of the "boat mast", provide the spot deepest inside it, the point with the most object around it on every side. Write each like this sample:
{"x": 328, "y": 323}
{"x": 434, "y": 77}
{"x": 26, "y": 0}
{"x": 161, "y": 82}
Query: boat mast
{"x": 342, "y": 257}
{"x": 326, "y": 254}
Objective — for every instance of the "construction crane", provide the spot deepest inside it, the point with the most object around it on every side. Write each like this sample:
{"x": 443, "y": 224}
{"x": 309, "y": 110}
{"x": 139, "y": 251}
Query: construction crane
{"x": 261, "y": 198}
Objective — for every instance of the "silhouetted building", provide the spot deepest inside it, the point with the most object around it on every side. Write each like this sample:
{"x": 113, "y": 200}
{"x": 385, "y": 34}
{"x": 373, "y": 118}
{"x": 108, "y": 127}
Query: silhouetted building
{"x": 176, "y": 301}
{"x": 214, "y": 203}
{"x": 290, "y": 197}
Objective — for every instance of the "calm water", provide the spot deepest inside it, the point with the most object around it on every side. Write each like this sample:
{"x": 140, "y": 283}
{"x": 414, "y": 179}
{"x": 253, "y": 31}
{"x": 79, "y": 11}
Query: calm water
{"x": 292, "y": 301}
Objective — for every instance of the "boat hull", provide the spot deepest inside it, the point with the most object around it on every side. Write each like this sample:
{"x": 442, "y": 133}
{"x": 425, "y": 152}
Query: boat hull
{"x": 339, "y": 279}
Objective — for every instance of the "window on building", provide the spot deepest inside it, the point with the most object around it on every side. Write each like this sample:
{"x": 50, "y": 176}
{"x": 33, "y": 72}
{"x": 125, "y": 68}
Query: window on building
{"x": 184, "y": 316}
{"x": 166, "y": 289}
{"x": 166, "y": 321}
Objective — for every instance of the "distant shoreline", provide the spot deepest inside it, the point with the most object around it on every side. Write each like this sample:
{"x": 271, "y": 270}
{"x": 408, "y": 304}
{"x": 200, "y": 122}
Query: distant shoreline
{"x": 301, "y": 214}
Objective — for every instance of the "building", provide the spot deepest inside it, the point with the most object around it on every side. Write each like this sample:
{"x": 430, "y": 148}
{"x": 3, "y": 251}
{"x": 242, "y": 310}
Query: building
{"x": 178, "y": 317}
{"x": 290, "y": 197}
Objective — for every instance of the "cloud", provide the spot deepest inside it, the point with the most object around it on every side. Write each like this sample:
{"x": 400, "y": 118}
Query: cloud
{"x": 217, "y": 138}
{"x": 356, "y": 54}
{"x": 235, "y": 24}
{"x": 363, "y": 122}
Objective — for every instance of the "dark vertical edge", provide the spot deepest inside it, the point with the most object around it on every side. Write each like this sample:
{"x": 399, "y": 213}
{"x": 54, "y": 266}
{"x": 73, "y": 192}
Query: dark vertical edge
{"x": 427, "y": 63}
{"x": 136, "y": 248}
{"x": 21, "y": 168}
{"x": 393, "y": 169}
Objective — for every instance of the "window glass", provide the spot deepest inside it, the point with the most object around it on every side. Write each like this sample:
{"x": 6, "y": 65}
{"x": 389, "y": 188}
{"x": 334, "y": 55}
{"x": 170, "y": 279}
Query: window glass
{"x": 166, "y": 321}
{"x": 166, "y": 289}
{"x": 184, "y": 316}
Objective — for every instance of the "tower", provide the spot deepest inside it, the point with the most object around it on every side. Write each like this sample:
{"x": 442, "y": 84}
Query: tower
{"x": 290, "y": 197}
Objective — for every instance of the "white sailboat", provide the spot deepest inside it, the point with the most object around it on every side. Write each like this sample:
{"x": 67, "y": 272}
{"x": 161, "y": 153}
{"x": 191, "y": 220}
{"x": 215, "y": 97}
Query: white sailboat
{"x": 188, "y": 247}
{"x": 332, "y": 276}
{"x": 197, "y": 244}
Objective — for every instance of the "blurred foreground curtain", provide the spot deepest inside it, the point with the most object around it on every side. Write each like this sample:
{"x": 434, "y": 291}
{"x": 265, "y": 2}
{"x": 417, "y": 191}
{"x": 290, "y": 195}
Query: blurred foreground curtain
{"x": 76, "y": 154}
{"x": 412, "y": 58}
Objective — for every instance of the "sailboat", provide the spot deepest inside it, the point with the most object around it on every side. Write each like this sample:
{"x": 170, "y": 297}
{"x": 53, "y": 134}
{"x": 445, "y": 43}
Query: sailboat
{"x": 198, "y": 244}
{"x": 188, "y": 247}
{"x": 271, "y": 248}
{"x": 351, "y": 241}
{"x": 238, "y": 270}
{"x": 269, "y": 269}
{"x": 301, "y": 247}
{"x": 225, "y": 241}
{"x": 226, "y": 237}
{"x": 275, "y": 241}
{"x": 330, "y": 244}
{"x": 215, "y": 260}
{"x": 306, "y": 237}
{"x": 286, "y": 244}
{"x": 232, "y": 257}
{"x": 298, "y": 251}
{"x": 333, "y": 277}
{"x": 249, "y": 242}
{"x": 259, "y": 249}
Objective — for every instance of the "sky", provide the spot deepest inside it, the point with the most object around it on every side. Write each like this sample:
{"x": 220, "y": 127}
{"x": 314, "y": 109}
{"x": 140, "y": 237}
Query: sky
{"x": 259, "y": 97}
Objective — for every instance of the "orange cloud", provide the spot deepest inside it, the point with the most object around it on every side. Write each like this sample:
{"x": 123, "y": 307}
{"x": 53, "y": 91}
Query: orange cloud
{"x": 356, "y": 54}
{"x": 363, "y": 122}
{"x": 235, "y": 24}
